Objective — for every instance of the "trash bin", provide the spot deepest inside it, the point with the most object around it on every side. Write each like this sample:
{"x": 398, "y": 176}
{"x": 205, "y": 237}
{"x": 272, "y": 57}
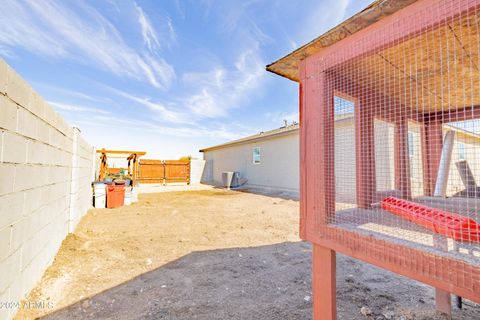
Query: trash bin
{"x": 115, "y": 196}
{"x": 99, "y": 194}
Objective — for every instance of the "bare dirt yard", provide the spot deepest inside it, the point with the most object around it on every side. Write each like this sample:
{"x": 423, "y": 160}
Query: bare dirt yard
{"x": 212, "y": 254}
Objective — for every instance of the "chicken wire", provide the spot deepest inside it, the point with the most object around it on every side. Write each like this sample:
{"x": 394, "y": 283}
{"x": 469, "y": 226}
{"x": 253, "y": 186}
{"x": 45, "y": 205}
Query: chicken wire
{"x": 405, "y": 125}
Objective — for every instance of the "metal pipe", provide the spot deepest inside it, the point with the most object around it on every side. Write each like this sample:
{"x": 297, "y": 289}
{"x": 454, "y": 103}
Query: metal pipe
{"x": 444, "y": 166}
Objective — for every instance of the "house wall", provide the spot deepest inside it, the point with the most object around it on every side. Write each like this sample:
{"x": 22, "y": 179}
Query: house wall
{"x": 472, "y": 156}
{"x": 46, "y": 169}
{"x": 278, "y": 170}
{"x": 279, "y": 167}
{"x": 384, "y": 155}
{"x": 280, "y": 161}
{"x": 345, "y": 182}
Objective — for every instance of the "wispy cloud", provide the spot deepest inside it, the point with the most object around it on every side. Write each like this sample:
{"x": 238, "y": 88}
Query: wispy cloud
{"x": 225, "y": 132}
{"x": 323, "y": 17}
{"x": 220, "y": 90}
{"x": 51, "y": 29}
{"x": 162, "y": 112}
{"x": 77, "y": 108}
{"x": 279, "y": 117}
{"x": 206, "y": 95}
{"x": 148, "y": 32}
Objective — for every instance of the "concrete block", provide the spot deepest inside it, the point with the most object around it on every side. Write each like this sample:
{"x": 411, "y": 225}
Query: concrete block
{"x": 37, "y": 106}
{"x": 65, "y": 143}
{"x": 14, "y": 148}
{"x": 27, "y": 123}
{"x": 3, "y": 76}
{"x": 31, "y": 249}
{"x": 28, "y": 251}
{"x": 16, "y": 293}
{"x": 48, "y": 196}
{"x": 28, "y": 177}
{"x": 196, "y": 171}
{"x": 63, "y": 126}
{"x": 36, "y": 153}
{"x": 5, "y": 297}
{"x": 62, "y": 174}
{"x": 7, "y": 172}
{"x": 20, "y": 233}
{"x": 11, "y": 208}
{"x": 55, "y": 137}
{"x": 52, "y": 155}
{"x": 40, "y": 218}
{"x": 29, "y": 276}
{"x": 32, "y": 200}
{"x": 42, "y": 132}
{"x": 5, "y": 242}
{"x": 10, "y": 268}
{"x": 8, "y": 113}
{"x": 1, "y": 145}
{"x": 50, "y": 115}
{"x": 18, "y": 89}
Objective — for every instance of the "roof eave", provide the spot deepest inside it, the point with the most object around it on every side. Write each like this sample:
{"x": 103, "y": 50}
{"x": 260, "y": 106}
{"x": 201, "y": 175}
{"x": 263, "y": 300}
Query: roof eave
{"x": 288, "y": 65}
{"x": 253, "y": 139}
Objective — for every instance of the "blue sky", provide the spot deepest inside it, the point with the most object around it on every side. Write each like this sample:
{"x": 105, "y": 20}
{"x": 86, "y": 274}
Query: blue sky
{"x": 167, "y": 77}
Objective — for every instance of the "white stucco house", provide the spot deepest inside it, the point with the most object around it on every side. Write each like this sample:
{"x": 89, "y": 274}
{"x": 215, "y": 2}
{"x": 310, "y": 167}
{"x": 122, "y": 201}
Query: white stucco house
{"x": 270, "y": 160}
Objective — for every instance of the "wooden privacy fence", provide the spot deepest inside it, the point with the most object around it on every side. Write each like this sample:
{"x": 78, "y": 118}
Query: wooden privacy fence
{"x": 164, "y": 171}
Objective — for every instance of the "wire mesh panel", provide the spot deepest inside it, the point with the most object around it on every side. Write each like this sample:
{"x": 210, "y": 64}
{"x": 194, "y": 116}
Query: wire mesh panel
{"x": 400, "y": 110}
{"x": 345, "y": 165}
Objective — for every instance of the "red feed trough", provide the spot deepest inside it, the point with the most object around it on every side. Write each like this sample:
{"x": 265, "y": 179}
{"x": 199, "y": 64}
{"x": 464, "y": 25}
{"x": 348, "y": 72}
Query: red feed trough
{"x": 449, "y": 224}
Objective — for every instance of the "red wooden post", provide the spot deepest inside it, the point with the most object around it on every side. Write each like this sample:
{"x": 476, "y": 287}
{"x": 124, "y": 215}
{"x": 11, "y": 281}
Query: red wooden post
{"x": 432, "y": 143}
{"x": 432, "y": 150}
{"x": 317, "y": 179}
{"x": 402, "y": 162}
{"x": 303, "y": 189}
{"x": 443, "y": 301}
{"x": 365, "y": 152}
{"x": 317, "y": 167}
{"x": 324, "y": 283}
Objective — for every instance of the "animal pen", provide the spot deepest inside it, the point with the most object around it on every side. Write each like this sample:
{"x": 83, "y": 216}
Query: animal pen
{"x": 411, "y": 69}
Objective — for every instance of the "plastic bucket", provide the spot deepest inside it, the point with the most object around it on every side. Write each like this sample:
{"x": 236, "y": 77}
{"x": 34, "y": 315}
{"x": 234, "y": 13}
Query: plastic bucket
{"x": 99, "y": 195}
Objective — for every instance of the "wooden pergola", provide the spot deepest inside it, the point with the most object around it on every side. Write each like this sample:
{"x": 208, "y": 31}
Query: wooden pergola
{"x": 131, "y": 156}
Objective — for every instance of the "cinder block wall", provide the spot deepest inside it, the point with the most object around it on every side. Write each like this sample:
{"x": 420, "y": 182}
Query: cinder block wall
{"x": 196, "y": 170}
{"x": 46, "y": 169}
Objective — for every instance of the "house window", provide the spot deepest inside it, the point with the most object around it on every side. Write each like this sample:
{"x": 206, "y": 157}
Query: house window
{"x": 256, "y": 155}
{"x": 411, "y": 146}
{"x": 461, "y": 147}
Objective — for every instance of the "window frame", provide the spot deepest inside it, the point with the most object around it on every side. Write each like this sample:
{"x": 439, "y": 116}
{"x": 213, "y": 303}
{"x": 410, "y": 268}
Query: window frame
{"x": 254, "y": 155}
{"x": 461, "y": 151}
{"x": 410, "y": 144}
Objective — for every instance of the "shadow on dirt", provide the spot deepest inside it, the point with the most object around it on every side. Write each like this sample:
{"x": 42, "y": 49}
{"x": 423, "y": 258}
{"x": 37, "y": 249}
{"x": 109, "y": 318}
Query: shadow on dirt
{"x": 267, "y": 282}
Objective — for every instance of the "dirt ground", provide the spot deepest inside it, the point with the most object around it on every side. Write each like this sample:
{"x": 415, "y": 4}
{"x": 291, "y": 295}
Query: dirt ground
{"x": 211, "y": 254}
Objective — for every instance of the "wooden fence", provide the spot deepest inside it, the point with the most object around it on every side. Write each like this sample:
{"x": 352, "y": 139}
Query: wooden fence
{"x": 164, "y": 171}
